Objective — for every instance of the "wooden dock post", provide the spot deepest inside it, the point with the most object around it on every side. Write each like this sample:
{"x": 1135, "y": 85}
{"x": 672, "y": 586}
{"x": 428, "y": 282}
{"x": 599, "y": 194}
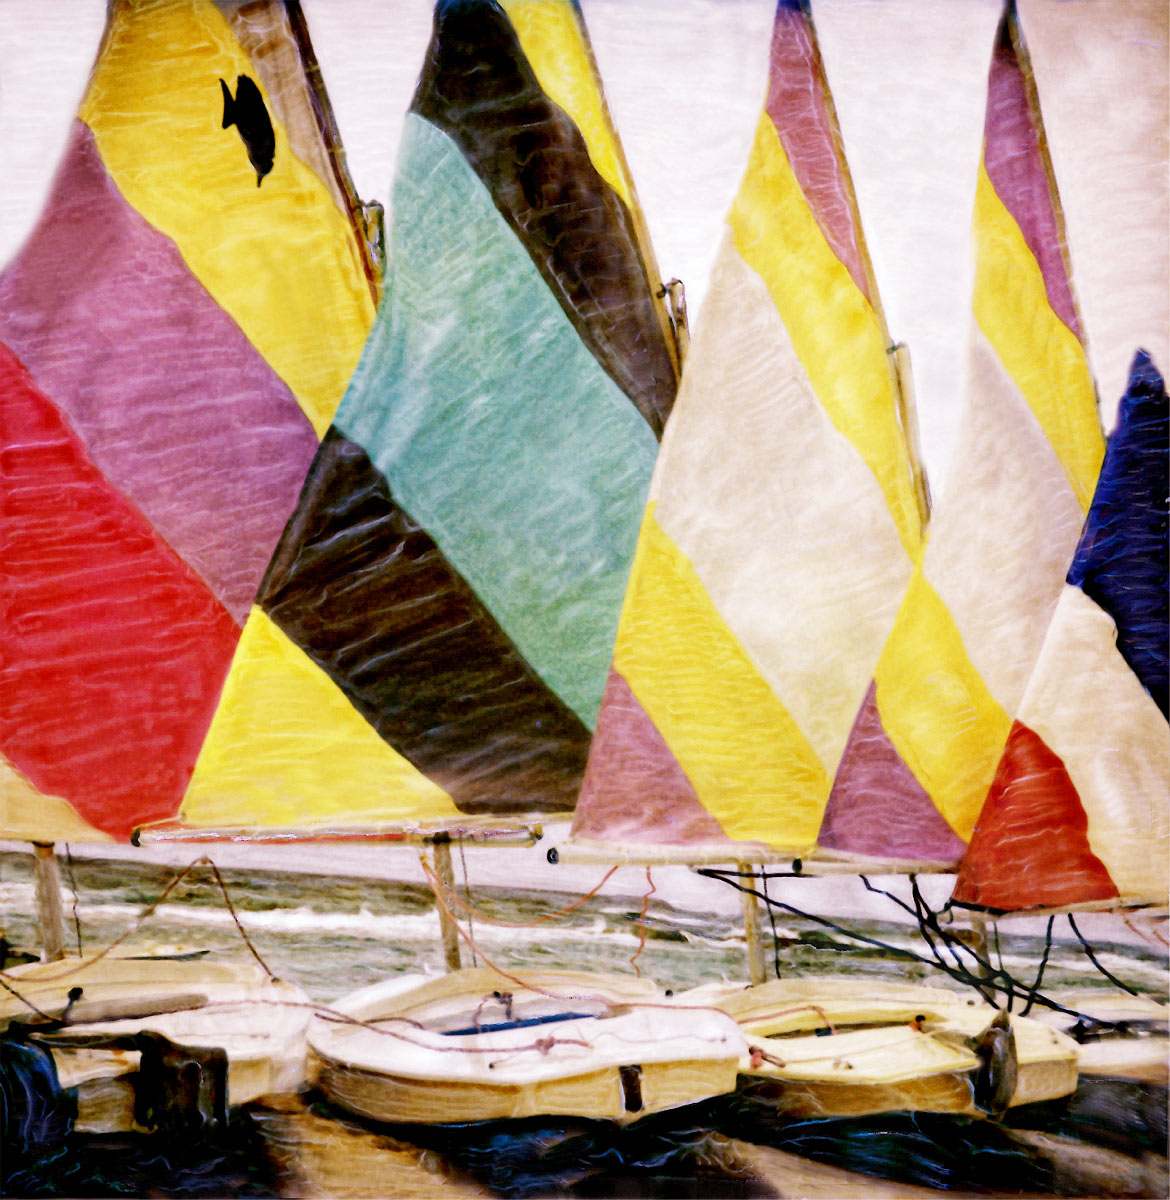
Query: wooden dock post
{"x": 751, "y": 927}
{"x": 446, "y": 872}
{"x": 49, "y": 914}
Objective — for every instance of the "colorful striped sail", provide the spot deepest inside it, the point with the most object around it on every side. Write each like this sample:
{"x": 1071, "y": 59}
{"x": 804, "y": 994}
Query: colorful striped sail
{"x": 950, "y": 679}
{"x": 784, "y": 520}
{"x": 175, "y": 338}
{"x": 1077, "y": 813}
{"x": 432, "y": 635}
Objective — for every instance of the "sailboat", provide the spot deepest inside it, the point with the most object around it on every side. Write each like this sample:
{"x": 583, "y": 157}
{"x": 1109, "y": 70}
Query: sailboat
{"x": 519, "y": 438}
{"x": 167, "y": 370}
{"x": 412, "y": 645}
{"x": 1076, "y": 818}
{"x": 800, "y": 674}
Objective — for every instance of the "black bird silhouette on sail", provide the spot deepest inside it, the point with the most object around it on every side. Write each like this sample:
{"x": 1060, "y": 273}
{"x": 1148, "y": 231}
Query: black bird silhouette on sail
{"x": 247, "y": 112}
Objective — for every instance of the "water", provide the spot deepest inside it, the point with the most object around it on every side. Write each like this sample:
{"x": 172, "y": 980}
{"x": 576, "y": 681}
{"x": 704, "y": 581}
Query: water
{"x": 332, "y": 934}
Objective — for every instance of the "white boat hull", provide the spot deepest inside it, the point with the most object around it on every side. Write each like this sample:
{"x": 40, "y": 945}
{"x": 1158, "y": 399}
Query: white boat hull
{"x": 848, "y": 1047}
{"x": 418, "y": 1050}
{"x": 260, "y": 1023}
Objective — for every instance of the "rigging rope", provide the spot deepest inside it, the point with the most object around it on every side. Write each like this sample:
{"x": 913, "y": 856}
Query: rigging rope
{"x": 437, "y": 889}
{"x": 960, "y": 975}
{"x": 467, "y": 889}
{"x": 1009, "y": 982}
{"x": 1097, "y": 963}
{"x": 772, "y": 922}
{"x": 73, "y": 888}
{"x": 1040, "y": 973}
{"x": 642, "y": 925}
{"x": 482, "y": 917}
{"x": 149, "y": 912}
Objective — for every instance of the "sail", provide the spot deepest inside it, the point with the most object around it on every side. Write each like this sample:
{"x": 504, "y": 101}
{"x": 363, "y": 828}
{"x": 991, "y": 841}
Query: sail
{"x": 431, "y": 638}
{"x": 1077, "y": 814}
{"x": 951, "y": 677}
{"x": 784, "y": 518}
{"x": 175, "y": 338}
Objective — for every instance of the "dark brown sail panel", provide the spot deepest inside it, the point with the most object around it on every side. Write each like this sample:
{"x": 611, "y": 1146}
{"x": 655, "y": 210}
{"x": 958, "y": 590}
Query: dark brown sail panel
{"x": 364, "y": 591}
{"x": 478, "y": 88}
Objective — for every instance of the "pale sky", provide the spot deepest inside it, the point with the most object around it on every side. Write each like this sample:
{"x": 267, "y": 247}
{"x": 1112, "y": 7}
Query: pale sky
{"x": 685, "y": 81}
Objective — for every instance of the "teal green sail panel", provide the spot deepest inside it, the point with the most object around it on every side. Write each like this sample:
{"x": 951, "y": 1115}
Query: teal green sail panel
{"x": 495, "y": 426}
{"x": 453, "y": 572}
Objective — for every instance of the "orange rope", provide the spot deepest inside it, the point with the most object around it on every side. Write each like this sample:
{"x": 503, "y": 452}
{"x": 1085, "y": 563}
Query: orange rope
{"x": 753, "y": 1018}
{"x": 437, "y": 889}
{"x": 149, "y": 912}
{"x": 759, "y": 1055}
{"x": 1154, "y": 937}
{"x": 479, "y": 914}
{"x": 642, "y": 925}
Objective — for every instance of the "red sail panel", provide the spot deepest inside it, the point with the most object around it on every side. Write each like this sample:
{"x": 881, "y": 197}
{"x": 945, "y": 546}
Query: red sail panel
{"x": 1030, "y": 848}
{"x": 175, "y": 406}
{"x": 112, "y": 650}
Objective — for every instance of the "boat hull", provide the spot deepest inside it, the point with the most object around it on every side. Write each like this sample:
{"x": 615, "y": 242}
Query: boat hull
{"x": 600, "y": 1046}
{"x": 846, "y": 1047}
{"x": 258, "y": 1022}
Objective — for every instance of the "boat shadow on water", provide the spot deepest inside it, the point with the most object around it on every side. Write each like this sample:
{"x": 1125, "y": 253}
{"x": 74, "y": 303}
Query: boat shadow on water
{"x": 1108, "y": 1138}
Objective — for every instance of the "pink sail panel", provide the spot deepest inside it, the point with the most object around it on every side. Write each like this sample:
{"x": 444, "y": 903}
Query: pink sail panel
{"x": 641, "y": 794}
{"x": 878, "y": 808}
{"x": 112, "y": 650}
{"x": 173, "y": 403}
{"x": 798, "y": 104}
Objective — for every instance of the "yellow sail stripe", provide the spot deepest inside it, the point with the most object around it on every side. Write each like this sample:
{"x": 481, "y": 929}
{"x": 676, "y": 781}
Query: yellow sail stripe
{"x": 936, "y": 709}
{"x": 280, "y": 258}
{"x": 1040, "y": 352}
{"x": 550, "y": 36}
{"x": 30, "y": 815}
{"x": 745, "y": 756}
{"x": 833, "y": 327}
{"x": 287, "y": 748}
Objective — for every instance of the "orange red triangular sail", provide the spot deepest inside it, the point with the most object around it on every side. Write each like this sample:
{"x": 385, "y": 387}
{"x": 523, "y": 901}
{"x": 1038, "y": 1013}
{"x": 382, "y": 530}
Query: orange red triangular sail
{"x": 1031, "y": 846}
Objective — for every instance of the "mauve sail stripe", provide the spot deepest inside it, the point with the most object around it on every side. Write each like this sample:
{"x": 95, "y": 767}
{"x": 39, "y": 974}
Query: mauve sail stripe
{"x": 367, "y": 594}
{"x": 173, "y": 403}
{"x": 1015, "y": 162}
{"x": 112, "y": 651}
{"x": 877, "y": 807}
{"x": 799, "y": 110}
{"x": 478, "y": 88}
{"x": 634, "y": 788}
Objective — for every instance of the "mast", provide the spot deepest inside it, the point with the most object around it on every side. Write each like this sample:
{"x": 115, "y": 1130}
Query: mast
{"x": 446, "y": 874}
{"x": 757, "y": 972}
